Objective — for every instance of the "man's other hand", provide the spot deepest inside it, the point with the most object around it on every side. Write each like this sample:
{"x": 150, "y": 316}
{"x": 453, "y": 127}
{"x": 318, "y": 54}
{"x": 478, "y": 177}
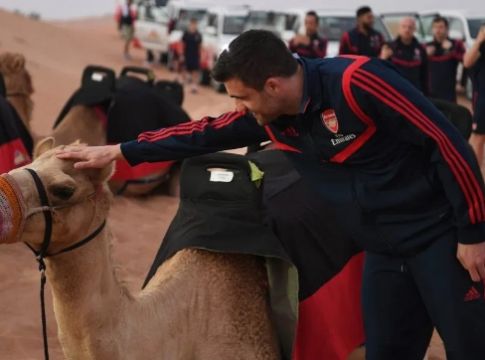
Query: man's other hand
{"x": 472, "y": 257}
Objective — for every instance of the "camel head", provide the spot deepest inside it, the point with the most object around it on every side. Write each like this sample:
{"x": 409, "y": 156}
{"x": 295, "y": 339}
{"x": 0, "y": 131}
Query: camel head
{"x": 79, "y": 201}
{"x": 18, "y": 82}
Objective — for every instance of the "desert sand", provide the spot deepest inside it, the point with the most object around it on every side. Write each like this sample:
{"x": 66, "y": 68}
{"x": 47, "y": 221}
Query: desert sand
{"x": 56, "y": 55}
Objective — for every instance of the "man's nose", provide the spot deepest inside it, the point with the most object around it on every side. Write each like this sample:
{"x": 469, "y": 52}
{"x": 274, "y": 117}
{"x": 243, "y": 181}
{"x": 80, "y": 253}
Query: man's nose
{"x": 240, "y": 106}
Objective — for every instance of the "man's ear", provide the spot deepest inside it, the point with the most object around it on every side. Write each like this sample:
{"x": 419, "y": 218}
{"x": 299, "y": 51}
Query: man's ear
{"x": 272, "y": 85}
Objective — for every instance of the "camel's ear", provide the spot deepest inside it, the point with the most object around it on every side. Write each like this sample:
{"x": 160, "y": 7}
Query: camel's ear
{"x": 44, "y": 145}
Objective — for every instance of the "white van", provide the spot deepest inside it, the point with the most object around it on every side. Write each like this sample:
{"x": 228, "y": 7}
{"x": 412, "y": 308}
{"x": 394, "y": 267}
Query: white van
{"x": 463, "y": 25}
{"x": 332, "y": 25}
{"x": 151, "y": 27}
{"x": 279, "y": 22}
{"x": 180, "y": 13}
{"x": 224, "y": 24}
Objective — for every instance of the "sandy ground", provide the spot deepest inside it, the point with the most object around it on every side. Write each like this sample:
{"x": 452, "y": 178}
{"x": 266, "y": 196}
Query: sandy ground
{"x": 57, "y": 54}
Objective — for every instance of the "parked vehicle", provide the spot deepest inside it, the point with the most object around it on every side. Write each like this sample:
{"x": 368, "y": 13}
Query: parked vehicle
{"x": 277, "y": 21}
{"x": 463, "y": 25}
{"x": 333, "y": 24}
{"x": 224, "y": 24}
{"x": 392, "y": 20}
{"x": 180, "y": 13}
{"x": 151, "y": 27}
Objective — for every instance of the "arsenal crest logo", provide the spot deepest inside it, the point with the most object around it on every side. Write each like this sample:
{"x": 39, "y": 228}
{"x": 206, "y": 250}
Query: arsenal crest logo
{"x": 329, "y": 119}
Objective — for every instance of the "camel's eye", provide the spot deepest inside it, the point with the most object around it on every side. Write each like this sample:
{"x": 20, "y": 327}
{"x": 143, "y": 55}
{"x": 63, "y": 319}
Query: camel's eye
{"x": 62, "y": 192}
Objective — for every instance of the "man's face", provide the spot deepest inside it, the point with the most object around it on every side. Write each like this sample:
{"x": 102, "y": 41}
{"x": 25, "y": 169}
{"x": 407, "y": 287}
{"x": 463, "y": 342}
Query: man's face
{"x": 265, "y": 105}
{"x": 367, "y": 20}
{"x": 193, "y": 26}
{"x": 407, "y": 27}
{"x": 440, "y": 31}
{"x": 311, "y": 24}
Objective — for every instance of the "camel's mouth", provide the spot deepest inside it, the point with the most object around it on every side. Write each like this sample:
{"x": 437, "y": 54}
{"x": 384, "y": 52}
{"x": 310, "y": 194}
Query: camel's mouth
{"x": 12, "y": 211}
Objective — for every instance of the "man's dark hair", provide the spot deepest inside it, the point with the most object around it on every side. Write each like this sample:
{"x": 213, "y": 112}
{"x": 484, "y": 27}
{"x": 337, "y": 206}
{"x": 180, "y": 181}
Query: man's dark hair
{"x": 363, "y": 10}
{"x": 253, "y": 57}
{"x": 314, "y": 14}
{"x": 438, "y": 19}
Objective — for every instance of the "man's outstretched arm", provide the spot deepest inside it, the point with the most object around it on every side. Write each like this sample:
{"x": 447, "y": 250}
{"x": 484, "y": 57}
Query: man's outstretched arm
{"x": 228, "y": 131}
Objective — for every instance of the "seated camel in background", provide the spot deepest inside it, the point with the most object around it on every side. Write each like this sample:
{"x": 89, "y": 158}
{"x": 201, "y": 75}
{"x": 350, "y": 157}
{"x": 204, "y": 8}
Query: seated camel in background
{"x": 18, "y": 84}
{"x": 198, "y": 305}
{"x": 106, "y": 109}
{"x": 16, "y": 143}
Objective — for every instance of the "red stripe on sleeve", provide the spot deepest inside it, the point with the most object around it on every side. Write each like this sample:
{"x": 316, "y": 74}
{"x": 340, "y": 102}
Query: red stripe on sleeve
{"x": 191, "y": 127}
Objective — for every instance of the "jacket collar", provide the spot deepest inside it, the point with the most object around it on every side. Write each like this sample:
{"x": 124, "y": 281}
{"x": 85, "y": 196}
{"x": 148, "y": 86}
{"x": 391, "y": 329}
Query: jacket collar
{"x": 312, "y": 96}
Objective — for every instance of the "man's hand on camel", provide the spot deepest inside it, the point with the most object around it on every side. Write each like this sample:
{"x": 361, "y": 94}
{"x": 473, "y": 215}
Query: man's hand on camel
{"x": 472, "y": 257}
{"x": 90, "y": 156}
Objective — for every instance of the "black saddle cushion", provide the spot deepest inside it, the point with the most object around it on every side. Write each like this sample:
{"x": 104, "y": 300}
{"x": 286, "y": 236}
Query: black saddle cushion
{"x": 137, "y": 107}
{"x": 97, "y": 89}
{"x": 459, "y": 115}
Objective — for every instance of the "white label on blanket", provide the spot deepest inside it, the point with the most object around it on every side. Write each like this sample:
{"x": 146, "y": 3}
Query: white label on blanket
{"x": 97, "y": 76}
{"x": 221, "y": 176}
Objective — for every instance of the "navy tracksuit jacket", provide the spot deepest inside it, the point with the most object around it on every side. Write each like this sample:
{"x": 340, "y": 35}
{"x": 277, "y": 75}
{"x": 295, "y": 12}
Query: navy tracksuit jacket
{"x": 411, "y": 176}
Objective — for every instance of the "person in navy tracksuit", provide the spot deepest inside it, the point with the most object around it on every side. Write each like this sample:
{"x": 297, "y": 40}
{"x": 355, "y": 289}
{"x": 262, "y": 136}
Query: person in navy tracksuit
{"x": 444, "y": 55}
{"x": 311, "y": 44}
{"x": 412, "y": 186}
{"x": 474, "y": 61}
{"x": 363, "y": 39}
{"x": 408, "y": 55}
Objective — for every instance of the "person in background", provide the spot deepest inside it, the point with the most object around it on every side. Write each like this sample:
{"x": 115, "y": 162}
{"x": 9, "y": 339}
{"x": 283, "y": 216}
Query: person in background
{"x": 444, "y": 55}
{"x": 192, "y": 40}
{"x": 408, "y": 55}
{"x": 363, "y": 39}
{"x": 310, "y": 45}
{"x": 474, "y": 62}
{"x": 127, "y": 20}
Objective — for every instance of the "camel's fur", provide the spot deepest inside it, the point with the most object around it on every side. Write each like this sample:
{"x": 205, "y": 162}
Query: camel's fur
{"x": 18, "y": 83}
{"x": 199, "y": 305}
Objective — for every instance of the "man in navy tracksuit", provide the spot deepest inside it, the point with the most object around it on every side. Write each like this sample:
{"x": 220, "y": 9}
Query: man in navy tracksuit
{"x": 413, "y": 190}
{"x": 408, "y": 55}
{"x": 474, "y": 61}
{"x": 311, "y": 45}
{"x": 363, "y": 39}
{"x": 444, "y": 55}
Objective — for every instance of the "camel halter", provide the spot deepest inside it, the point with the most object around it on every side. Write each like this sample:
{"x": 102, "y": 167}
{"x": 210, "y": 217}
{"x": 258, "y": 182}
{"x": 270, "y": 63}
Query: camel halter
{"x": 41, "y": 254}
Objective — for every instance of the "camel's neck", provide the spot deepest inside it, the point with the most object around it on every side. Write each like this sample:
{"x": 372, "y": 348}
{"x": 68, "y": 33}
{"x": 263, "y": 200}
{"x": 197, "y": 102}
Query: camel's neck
{"x": 87, "y": 296}
{"x": 23, "y": 105}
